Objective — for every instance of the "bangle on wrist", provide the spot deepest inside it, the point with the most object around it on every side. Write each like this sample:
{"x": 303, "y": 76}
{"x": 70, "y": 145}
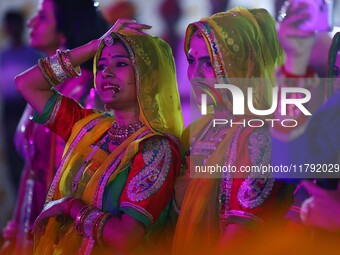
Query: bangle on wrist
{"x": 99, "y": 227}
{"x": 46, "y": 72}
{"x": 64, "y": 57}
{"x": 58, "y": 71}
{"x": 57, "y": 68}
{"x": 79, "y": 221}
{"x": 90, "y": 222}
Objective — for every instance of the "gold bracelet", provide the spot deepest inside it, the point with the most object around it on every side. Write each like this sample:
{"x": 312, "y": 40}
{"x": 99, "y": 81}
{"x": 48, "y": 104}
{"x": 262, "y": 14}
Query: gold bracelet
{"x": 64, "y": 57}
{"x": 99, "y": 234}
{"x": 79, "y": 221}
{"x": 57, "y": 69}
{"x": 44, "y": 72}
{"x": 89, "y": 222}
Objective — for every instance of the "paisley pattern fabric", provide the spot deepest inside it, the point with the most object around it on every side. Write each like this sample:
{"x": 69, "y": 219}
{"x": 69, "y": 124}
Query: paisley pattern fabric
{"x": 253, "y": 191}
{"x": 157, "y": 159}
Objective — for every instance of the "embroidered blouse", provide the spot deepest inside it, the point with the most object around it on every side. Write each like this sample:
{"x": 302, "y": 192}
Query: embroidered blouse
{"x": 142, "y": 189}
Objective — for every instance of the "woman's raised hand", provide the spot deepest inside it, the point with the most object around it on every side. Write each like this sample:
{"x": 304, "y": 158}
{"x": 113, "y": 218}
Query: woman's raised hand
{"x": 295, "y": 42}
{"x": 127, "y": 25}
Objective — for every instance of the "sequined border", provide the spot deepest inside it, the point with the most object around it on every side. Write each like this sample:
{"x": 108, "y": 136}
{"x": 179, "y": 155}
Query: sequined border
{"x": 98, "y": 198}
{"x": 209, "y": 33}
{"x": 55, "y": 110}
{"x": 81, "y": 169}
{"x": 227, "y": 181}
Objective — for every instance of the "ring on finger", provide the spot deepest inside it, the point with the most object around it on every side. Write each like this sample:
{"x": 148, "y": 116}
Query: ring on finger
{"x": 283, "y": 11}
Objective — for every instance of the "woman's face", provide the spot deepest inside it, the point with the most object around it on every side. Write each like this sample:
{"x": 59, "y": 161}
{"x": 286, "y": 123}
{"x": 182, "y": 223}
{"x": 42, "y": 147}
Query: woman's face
{"x": 115, "y": 78}
{"x": 201, "y": 73}
{"x": 43, "y": 34}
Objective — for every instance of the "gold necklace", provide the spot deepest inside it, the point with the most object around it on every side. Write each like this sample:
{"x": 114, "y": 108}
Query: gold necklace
{"x": 119, "y": 133}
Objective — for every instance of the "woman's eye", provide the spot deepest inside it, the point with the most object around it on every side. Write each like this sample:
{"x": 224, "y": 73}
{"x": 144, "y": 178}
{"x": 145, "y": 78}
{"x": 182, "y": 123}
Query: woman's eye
{"x": 190, "y": 60}
{"x": 208, "y": 64}
{"x": 121, "y": 64}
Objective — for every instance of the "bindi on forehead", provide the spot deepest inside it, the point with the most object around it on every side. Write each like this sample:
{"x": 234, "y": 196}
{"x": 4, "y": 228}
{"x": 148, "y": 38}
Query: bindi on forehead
{"x": 194, "y": 53}
{"x": 198, "y": 46}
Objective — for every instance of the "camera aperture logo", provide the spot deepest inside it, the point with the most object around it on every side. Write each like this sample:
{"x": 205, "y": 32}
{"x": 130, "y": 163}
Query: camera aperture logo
{"x": 239, "y": 105}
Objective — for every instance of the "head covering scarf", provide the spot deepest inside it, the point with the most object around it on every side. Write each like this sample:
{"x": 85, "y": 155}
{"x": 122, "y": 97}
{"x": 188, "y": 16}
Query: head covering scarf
{"x": 157, "y": 91}
{"x": 160, "y": 111}
{"x": 244, "y": 50}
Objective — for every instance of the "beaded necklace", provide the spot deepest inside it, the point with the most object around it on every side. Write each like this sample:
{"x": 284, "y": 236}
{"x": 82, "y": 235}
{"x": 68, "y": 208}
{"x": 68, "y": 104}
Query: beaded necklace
{"x": 119, "y": 133}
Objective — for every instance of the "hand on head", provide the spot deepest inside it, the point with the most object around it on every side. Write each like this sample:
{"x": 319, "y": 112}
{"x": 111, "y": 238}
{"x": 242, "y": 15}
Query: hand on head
{"x": 127, "y": 25}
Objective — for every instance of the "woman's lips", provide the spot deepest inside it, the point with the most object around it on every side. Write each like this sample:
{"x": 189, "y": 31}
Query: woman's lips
{"x": 115, "y": 88}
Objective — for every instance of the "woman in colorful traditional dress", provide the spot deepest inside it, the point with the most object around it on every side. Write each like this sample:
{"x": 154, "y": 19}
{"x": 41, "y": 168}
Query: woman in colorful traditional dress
{"x": 116, "y": 178}
{"x": 220, "y": 208}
